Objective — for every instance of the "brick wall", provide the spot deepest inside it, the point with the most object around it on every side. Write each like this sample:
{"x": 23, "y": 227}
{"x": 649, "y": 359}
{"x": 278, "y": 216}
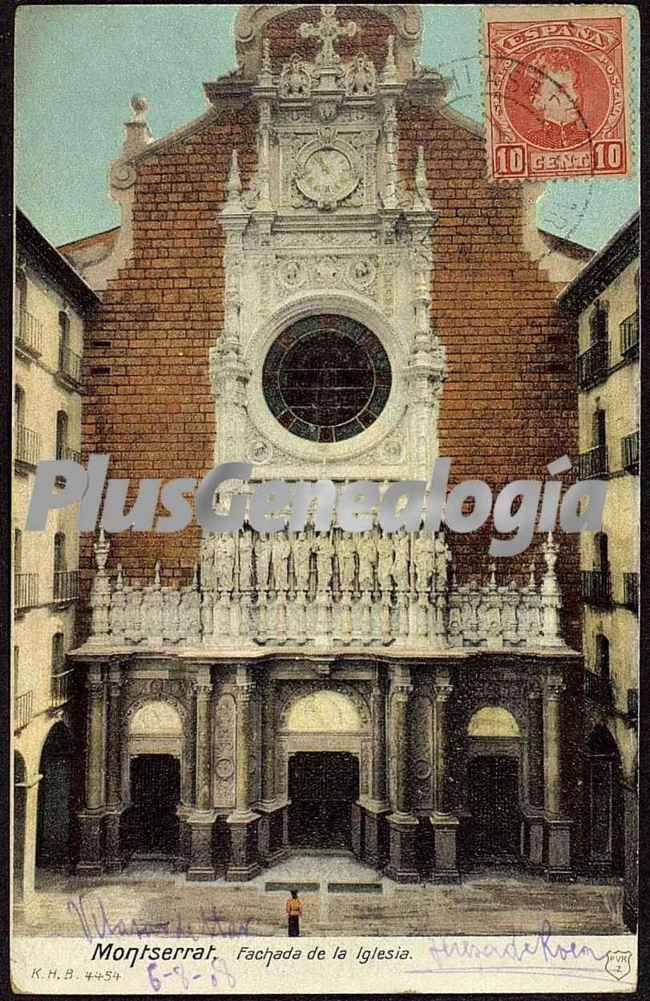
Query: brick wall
{"x": 509, "y": 402}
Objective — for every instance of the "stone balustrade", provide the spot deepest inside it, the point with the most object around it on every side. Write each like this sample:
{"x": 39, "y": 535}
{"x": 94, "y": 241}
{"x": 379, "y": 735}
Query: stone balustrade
{"x": 318, "y": 589}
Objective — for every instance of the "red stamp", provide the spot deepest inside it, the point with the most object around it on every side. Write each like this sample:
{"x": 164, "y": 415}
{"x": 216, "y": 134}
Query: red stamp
{"x": 556, "y": 98}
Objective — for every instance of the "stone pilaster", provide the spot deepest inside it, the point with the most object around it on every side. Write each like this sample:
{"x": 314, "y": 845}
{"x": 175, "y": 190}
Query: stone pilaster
{"x": 402, "y": 824}
{"x": 377, "y": 806}
{"x": 200, "y": 821}
{"x": 445, "y": 826}
{"x": 558, "y": 864}
{"x": 24, "y": 844}
{"x": 243, "y": 821}
{"x": 114, "y": 808}
{"x": 269, "y": 845}
{"x": 91, "y": 817}
{"x": 535, "y": 809}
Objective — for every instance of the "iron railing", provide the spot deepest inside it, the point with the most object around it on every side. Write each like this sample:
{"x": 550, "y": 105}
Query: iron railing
{"x": 25, "y": 590}
{"x": 630, "y": 335}
{"x": 64, "y": 452}
{"x": 593, "y": 364}
{"x": 69, "y": 363}
{"x": 631, "y": 591}
{"x": 28, "y": 445}
{"x": 66, "y": 585}
{"x": 29, "y": 332}
{"x": 596, "y": 587}
{"x": 598, "y": 688}
{"x": 61, "y": 688}
{"x": 630, "y": 452}
{"x": 23, "y": 709}
{"x": 593, "y": 463}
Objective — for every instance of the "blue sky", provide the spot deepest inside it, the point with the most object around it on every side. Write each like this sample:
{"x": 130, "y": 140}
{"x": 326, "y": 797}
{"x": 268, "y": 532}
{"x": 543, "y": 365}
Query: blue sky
{"x": 77, "y": 66}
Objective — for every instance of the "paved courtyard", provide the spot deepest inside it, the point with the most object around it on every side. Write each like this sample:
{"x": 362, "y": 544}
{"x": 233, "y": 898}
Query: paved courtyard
{"x": 146, "y": 899}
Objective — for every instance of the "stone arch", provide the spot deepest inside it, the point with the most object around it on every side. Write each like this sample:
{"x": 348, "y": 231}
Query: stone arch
{"x": 493, "y": 722}
{"x": 156, "y": 716}
{"x": 323, "y": 710}
{"x": 286, "y": 702}
{"x": 56, "y": 797}
{"x": 172, "y": 743}
{"x": 604, "y": 801}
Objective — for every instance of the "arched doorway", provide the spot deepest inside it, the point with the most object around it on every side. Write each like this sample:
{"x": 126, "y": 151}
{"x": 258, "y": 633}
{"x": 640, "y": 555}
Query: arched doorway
{"x": 605, "y": 834}
{"x": 150, "y": 825}
{"x": 493, "y": 781}
{"x": 323, "y": 770}
{"x": 55, "y": 806}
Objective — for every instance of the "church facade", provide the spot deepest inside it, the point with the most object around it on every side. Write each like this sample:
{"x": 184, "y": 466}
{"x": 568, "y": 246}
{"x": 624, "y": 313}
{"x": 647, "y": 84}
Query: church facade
{"x": 316, "y": 278}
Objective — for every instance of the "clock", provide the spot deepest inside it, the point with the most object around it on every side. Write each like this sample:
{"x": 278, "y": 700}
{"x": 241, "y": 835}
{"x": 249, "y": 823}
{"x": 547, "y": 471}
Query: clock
{"x": 327, "y": 176}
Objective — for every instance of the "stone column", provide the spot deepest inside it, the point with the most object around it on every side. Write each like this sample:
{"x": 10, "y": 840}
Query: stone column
{"x": 90, "y": 818}
{"x": 535, "y": 808}
{"x": 558, "y": 827}
{"x": 243, "y": 821}
{"x": 445, "y": 826}
{"x": 402, "y": 824}
{"x": 24, "y": 847}
{"x": 200, "y": 821}
{"x": 377, "y": 806}
{"x": 114, "y": 808}
{"x": 268, "y": 837}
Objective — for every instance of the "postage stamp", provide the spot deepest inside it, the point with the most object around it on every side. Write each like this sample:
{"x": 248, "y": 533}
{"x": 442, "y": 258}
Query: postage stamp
{"x": 555, "y": 95}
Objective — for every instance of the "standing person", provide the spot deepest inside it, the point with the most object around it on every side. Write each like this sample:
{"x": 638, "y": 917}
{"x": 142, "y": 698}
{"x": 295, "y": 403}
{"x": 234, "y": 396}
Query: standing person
{"x": 294, "y": 912}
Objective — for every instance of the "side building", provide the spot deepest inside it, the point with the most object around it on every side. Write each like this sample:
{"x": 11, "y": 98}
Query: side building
{"x": 604, "y": 296}
{"x": 51, "y": 303}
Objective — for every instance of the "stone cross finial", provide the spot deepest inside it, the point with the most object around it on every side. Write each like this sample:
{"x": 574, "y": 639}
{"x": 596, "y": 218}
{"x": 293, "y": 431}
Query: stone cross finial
{"x": 327, "y": 31}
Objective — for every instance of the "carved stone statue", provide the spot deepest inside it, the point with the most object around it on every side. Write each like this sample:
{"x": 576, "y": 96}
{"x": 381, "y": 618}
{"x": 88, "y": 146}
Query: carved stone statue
{"x": 262, "y": 561}
{"x": 423, "y": 557}
{"x": 281, "y": 548}
{"x": 302, "y": 550}
{"x": 385, "y": 562}
{"x": 347, "y": 562}
{"x": 443, "y": 556}
{"x": 360, "y": 78}
{"x": 224, "y": 561}
{"x": 245, "y": 560}
{"x": 401, "y": 566}
{"x": 295, "y": 78}
{"x": 324, "y": 550}
{"x": 367, "y": 552}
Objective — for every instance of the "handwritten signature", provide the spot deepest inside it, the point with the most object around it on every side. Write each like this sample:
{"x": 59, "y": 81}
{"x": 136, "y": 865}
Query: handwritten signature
{"x": 96, "y": 923}
{"x": 542, "y": 946}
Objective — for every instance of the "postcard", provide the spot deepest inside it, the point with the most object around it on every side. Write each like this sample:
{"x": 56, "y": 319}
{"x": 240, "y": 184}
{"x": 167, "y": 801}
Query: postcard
{"x": 326, "y": 499}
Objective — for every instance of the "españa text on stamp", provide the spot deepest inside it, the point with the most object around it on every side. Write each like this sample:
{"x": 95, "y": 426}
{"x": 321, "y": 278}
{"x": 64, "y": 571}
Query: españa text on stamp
{"x": 555, "y": 95}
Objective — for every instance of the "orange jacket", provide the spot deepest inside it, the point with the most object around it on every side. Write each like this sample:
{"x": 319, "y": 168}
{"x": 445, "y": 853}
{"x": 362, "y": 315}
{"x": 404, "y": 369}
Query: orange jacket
{"x": 294, "y": 907}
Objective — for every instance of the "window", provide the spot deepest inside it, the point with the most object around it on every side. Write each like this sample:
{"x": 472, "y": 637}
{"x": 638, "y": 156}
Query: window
{"x": 61, "y": 435}
{"x": 602, "y": 656}
{"x": 58, "y": 654}
{"x": 326, "y": 378}
{"x": 599, "y": 322}
{"x": 599, "y": 428}
{"x": 18, "y": 550}
{"x": 64, "y": 329}
{"x": 19, "y": 404}
{"x": 601, "y": 553}
{"x": 15, "y": 669}
{"x": 59, "y": 552}
{"x": 21, "y": 294}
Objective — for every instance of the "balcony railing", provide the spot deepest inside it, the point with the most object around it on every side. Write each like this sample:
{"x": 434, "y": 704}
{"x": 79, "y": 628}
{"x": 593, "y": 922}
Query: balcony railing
{"x": 23, "y": 709}
{"x": 66, "y": 585}
{"x": 593, "y": 364}
{"x": 61, "y": 688}
{"x": 69, "y": 363}
{"x": 25, "y": 590}
{"x": 29, "y": 332}
{"x": 28, "y": 445}
{"x": 596, "y": 587}
{"x": 630, "y": 335}
{"x": 631, "y": 591}
{"x": 598, "y": 688}
{"x": 64, "y": 452}
{"x": 630, "y": 452}
{"x": 593, "y": 463}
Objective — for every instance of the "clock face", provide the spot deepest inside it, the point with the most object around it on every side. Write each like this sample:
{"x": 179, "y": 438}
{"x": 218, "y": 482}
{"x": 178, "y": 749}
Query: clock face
{"x": 327, "y": 176}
